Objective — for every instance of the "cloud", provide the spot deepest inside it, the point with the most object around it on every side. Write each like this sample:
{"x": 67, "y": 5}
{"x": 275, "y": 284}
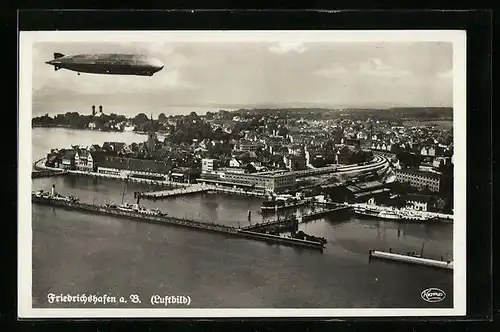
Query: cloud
{"x": 375, "y": 67}
{"x": 172, "y": 77}
{"x": 446, "y": 74}
{"x": 332, "y": 71}
{"x": 286, "y": 47}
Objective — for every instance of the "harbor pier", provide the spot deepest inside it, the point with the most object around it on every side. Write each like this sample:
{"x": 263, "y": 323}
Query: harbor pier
{"x": 411, "y": 259}
{"x": 293, "y": 221}
{"x": 194, "y": 189}
{"x": 168, "y": 220}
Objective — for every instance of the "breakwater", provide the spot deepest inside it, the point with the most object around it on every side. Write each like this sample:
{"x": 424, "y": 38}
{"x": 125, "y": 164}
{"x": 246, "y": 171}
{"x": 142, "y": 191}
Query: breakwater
{"x": 410, "y": 259}
{"x": 168, "y": 220}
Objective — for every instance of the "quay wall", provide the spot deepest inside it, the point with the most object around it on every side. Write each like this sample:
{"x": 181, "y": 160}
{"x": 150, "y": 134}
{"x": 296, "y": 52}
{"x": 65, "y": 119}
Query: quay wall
{"x": 280, "y": 239}
{"x": 411, "y": 259}
{"x": 193, "y": 224}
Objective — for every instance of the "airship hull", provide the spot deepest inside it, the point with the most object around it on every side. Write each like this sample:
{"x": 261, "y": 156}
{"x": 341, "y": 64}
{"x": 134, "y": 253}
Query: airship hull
{"x": 109, "y": 69}
{"x": 112, "y": 64}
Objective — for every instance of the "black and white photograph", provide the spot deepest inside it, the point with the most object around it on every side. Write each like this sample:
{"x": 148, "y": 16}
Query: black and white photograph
{"x": 242, "y": 173}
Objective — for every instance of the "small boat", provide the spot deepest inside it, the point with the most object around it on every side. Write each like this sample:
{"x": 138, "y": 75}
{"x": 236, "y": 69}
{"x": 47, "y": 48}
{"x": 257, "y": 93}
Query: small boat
{"x": 53, "y": 195}
{"x": 282, "y": 202}
{"x": 303, "y": 236}
{"x": 127, "y": 207}
{"x": 389, "y": 215}
{"x": 110, "y": 206}
{"x": 414, "y": 216}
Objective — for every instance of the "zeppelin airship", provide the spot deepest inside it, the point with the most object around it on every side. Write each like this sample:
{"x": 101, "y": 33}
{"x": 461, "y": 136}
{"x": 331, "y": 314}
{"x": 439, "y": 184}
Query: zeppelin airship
{"x": 113, "y": 64}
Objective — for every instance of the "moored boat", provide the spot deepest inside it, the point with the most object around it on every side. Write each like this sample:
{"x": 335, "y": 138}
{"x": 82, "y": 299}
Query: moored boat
{"x": 414, "y": 216}
{"x": 382, "y": 214}
{"x": 53, "y": 195}
{"x": 127, "y": 207}
{"x": 282, "y": 202}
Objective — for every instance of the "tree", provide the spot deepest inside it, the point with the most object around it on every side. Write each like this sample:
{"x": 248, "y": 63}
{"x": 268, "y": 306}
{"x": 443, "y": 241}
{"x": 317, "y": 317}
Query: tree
{"x": 250, "y": 168}
{"x": 162, "y": 117}
{"x": 140, "y": 119}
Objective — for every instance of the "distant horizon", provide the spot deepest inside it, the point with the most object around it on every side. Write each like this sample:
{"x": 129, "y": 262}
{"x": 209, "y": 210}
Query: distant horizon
{"x": 180, "y": 109}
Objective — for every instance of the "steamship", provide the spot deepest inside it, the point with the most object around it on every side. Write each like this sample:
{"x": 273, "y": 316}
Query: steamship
{"x": 383, "y": 214}
{"x": 55, "y": 196}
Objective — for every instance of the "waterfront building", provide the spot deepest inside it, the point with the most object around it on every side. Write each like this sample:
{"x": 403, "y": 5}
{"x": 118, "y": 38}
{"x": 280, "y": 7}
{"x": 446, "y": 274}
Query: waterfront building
{"x": 270, "y": 182}
{"x": 53, "y": 160}
{"x": 424, "y": 202}
{"x": 84, "y": 160}
{"x": 362, "y": 192}
{"x": 417, "y": 202}
{"x": 68, "y": 159}
{"x": 140, "y": 168}
{"x": 183, "y": 175}
{"x": 207, "y": 165}
{"x": 419, "y": 179}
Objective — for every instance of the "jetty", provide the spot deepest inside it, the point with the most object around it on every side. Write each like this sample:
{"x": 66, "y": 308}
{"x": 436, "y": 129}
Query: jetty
{"x": 183, "y": 222}
{"x": 198, "y": 188}
{"x": 194, "y": 189}
{"x": 293, "y": 221}
{"x": 412, "y": 259}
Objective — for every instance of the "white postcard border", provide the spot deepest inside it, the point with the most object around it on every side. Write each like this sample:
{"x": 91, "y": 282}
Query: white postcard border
{"x": 26, "y": 40}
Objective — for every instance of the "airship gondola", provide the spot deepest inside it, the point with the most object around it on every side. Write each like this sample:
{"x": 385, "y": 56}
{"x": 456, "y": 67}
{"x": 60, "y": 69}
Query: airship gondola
{"x": 112, "y": 64}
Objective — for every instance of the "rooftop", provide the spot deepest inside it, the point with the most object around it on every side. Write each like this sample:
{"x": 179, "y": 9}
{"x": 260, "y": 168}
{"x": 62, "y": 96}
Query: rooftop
{"x": 418, "y": 172}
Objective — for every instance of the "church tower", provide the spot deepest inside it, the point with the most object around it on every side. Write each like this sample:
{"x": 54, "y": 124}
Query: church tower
{"x": 151, "y": 136}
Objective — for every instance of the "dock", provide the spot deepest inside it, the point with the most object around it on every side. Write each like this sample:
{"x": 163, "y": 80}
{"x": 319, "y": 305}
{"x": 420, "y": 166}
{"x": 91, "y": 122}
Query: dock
{"x": 279, "y": 239}
{"x": 410, "y": 259}
{"x": 199, "y": 188}
{"x": 293, "y": 221}
{"x": 278, "y": 223}
{"x": 183, "y": 222}
{"x": 194, "y": 189}
{"x": 332, "y": 208}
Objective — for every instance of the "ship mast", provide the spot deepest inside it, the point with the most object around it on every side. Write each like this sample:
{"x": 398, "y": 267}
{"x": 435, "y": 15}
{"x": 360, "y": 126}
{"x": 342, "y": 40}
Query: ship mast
{"x": 124, "y": 189}
{"x": 422, "y": 250}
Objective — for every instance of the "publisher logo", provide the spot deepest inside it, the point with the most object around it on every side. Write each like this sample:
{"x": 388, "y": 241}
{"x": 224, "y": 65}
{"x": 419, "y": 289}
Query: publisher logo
{"x": 433, "y": 295}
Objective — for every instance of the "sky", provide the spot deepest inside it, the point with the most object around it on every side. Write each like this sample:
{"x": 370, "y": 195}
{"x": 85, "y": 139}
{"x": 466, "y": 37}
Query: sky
{"x": 320, "y": 74}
